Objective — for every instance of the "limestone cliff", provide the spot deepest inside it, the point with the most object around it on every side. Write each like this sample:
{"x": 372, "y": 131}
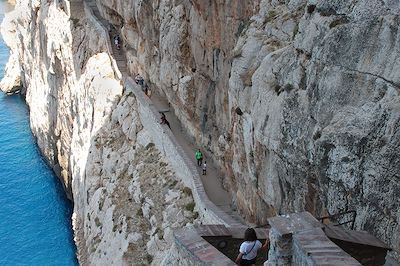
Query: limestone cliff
{"x": 127, "y": 199}
{"x": 298, "y": 101}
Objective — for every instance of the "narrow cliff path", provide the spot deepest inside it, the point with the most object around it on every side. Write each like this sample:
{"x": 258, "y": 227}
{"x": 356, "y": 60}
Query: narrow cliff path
{"x": 212, "y": 181}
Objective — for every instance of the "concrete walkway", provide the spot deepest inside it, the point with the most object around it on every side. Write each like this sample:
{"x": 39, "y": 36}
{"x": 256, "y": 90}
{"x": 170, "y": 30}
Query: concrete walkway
{"x": 212, "y": 181}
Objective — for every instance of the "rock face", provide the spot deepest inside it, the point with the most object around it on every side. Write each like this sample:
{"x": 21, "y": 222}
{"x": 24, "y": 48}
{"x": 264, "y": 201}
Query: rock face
{"x": 298, "y": 101}
{"x": 125, "y": 195}
{"x": 132, "y": 200}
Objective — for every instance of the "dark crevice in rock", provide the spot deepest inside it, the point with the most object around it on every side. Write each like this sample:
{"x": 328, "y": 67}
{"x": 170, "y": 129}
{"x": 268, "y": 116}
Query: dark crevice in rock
{"x": 394, "y": 84}
{"x": 310, "y": 9}
{"x": 238, "y": 111}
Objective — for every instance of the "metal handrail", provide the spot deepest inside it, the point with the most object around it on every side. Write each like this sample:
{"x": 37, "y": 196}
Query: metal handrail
{"x": 333, "y": 216}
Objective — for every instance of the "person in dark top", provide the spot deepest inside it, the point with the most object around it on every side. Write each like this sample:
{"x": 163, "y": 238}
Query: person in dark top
{"x": 164, "y": 120}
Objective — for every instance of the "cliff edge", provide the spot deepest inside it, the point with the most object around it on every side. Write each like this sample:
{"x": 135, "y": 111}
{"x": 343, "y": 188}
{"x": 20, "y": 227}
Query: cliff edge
{"x": 297, "y": 101}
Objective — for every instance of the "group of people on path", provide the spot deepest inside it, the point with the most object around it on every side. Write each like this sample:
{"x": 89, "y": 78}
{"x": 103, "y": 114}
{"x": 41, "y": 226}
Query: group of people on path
{"x": 199, "y": 157}
{"x": 145, "y": 87}
{"x": 138, "y": 78}
{"x": 251, "y": 246}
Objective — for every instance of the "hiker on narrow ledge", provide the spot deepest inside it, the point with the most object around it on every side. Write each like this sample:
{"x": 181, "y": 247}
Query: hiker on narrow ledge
{"x": 199, "y": 157}
{"x": 117, "y": 42}
{"x": 164, "y": 120}
{"x": 204, "y": 168}
{"x": 139, "y": 80}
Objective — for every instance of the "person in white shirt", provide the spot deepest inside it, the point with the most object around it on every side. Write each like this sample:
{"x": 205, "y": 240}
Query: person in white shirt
{"x": 249, "y": 248}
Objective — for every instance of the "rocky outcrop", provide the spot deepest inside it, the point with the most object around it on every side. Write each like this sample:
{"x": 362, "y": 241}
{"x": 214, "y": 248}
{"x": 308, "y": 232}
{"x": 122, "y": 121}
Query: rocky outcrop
{"x": 296, "y": 100}
{"x": 69, "y": 81}
{"x": 11, "y": 82}
{"x": 131, "y": 197}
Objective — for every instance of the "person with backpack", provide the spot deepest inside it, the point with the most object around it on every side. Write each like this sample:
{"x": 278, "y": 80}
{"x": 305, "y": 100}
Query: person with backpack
{"x": 199, "y": 157}
{"x": 249, "y": 248}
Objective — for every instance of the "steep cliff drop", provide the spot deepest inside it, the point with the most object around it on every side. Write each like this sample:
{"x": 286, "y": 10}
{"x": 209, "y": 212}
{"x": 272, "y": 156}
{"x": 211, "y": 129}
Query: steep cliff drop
{"x": 125, "y": 195}
{"x": 297, "y": 101}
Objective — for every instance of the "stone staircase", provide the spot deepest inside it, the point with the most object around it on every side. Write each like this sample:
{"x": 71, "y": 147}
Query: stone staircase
{"x": 118, "y": 55}
{"x": 232, "y": 212}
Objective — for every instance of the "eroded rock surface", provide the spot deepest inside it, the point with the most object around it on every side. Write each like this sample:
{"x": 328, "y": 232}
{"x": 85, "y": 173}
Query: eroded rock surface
{"x": 127, "y": 200}
{"x": 298, "y": 101}
{"x": 131, "y": 196}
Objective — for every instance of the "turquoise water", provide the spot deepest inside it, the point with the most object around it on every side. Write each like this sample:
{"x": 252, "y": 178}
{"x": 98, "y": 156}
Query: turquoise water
{"x": 35, "y": 216}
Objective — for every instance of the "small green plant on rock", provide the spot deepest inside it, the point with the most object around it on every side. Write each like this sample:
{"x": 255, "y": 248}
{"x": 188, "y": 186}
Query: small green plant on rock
{"x": 271, "y": 15}
{"x": 243, "y": 25}
{"x": 190, "y": 206}
{"x": 101, "y": 203}
{"x": 149, "y": 258}
{"x": 150, "y": 145}
{"x": 75, "y": 22}
{"x": 295, "y": 30}
{"x": 139, "y": 212}
{"x": 338, "y": 22}
{"x": 173, "y": 184}
{"x": 187, "y": 191}
{"x": 97, "y": 221}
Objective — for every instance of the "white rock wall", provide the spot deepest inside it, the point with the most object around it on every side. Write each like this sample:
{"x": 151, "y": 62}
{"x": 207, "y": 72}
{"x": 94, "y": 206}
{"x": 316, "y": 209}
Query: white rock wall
{"x": 67, "y": 76}
{"x": 127, "y": 200}
{"x": 297, "y": 100}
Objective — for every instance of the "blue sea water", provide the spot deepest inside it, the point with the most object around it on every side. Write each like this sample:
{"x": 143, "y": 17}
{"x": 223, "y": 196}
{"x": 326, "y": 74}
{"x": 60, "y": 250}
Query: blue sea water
{"x": 35, "y": 216}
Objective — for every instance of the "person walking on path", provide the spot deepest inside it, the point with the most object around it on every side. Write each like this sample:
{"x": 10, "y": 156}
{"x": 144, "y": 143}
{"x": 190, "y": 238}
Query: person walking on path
{"x": 139, "y": 80}
{"x": 147, "y": 90}
{"x": 249, "y": 248}
{"x": 204, "y": 168}
{"x": 164, "y": 120}
{"x": 117, "y": 41}
{"x": 199, "y": 157}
